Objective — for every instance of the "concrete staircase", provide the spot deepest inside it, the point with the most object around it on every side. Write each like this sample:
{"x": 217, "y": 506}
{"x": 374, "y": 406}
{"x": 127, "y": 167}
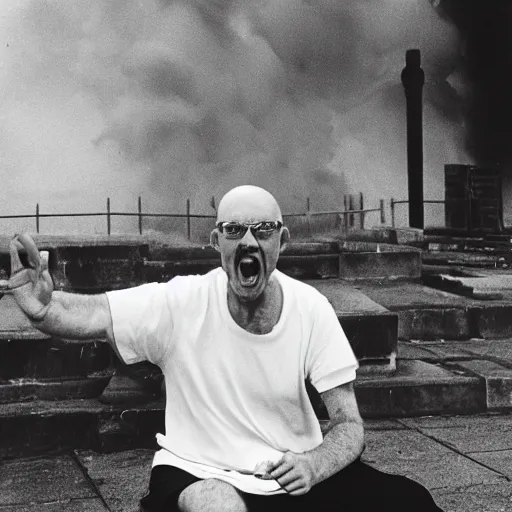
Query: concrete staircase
{"x": 423, "y": 350}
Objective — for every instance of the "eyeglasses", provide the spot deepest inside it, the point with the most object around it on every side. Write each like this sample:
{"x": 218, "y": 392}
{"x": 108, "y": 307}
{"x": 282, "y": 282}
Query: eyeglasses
{"x": 263, "y": 229}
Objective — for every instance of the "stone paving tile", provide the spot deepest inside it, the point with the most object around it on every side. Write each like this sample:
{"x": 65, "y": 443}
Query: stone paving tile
{"x": 122, "y": 478}
{"x": 499, "y": 349}
{"x": 476, "y": 498}
{"x": 383, "y": 424}
{"x": 409, "y": 350}
{"x": 500, "y": 461}
{"x": 467, "y": 434}
{"x": 42, "y": 480}
{"x": 78, "y": 505}
{"x": 416, "y": 456}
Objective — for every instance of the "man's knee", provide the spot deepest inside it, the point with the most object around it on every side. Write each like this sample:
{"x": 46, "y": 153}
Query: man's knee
{"x": 211, "y": 495}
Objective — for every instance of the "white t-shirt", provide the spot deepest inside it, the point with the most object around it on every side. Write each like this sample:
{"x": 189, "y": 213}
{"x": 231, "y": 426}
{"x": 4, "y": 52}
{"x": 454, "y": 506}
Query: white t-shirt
{"x": 234, "y": 398}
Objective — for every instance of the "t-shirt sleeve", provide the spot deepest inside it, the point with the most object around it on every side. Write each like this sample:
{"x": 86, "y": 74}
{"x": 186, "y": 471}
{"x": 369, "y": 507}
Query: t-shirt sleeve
{"x": 143, "y": 320}
{"x": 330, "y": 360}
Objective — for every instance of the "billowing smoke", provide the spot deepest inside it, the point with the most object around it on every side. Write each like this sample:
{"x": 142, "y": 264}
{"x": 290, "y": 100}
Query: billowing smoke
{"x": 185, "y": 99}
{"x": 487, "y": 53}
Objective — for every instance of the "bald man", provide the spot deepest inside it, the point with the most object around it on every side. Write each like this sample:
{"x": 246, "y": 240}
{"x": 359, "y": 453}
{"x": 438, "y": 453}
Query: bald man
{"x": 235, "y": 346}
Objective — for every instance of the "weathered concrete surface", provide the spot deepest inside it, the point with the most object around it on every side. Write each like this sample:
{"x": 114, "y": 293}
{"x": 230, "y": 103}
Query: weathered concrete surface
{"x": 73, "y": 505}
{"x": 494, "y": 321}
{"x": 487, "y": 441}
{"x": 379, "y": 265}
{"x": 498, "y": 381}
{"x": 121, "y": 478}
{"x": 443, "y": 453}
{"x": 14, "y": 324}
{"x": 427, "y": 314}
{"x": 28, "y": 482}
{"x": 423, "y": 313}
{"x": 321, "y": 266}
{"x": 370, "y": 328}
{"x": 35, "y": 366}
{"x": 481, "y": 498}
{"x": 419, "y": 388}
{"x": 467, "y": 434}
{"x": 31, "y": 428}
{"x": 414, "y": 455}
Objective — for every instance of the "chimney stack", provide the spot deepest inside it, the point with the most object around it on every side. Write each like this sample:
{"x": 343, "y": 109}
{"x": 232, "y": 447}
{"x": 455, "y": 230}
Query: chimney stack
{"x": 413, "y": 79}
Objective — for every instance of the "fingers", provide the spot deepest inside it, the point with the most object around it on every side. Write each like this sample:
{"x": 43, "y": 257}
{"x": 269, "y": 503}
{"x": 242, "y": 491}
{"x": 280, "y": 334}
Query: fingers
{"x": 16, "y": 265}
{"x": 21, "y": 278}
{"x": 281, "y": 468}
{"x": 29, "y": 245}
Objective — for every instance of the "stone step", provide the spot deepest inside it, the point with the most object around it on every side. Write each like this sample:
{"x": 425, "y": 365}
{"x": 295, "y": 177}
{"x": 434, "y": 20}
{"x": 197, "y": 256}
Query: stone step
{"x": 370, "y": 327}
{"x": 126, "y": 417}
{"x": 426, "y": 313}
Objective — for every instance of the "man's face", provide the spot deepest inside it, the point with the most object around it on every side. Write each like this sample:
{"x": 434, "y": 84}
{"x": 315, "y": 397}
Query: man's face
{"x": 249, "y": 256}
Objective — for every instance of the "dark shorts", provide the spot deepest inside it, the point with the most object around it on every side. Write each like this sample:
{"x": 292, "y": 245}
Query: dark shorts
{"x": 357, "y": 488}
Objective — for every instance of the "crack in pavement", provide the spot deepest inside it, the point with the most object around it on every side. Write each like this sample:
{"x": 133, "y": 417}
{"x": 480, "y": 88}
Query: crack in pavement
{"x": 454, "y": 449}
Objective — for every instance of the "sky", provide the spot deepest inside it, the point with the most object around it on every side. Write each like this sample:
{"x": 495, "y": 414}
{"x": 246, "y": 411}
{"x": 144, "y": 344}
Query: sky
{"x": 171, "y": 100}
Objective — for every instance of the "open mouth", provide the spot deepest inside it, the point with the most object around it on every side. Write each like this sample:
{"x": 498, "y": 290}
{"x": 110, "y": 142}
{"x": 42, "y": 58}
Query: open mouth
{"x": 249, "y": 270}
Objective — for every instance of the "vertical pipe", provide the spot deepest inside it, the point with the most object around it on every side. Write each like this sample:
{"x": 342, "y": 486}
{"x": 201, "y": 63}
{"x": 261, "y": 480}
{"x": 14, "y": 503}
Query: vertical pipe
{"x": 392, "y": 207}
{"x": 188, "y": 219}
{"x": 361, "y": 207}
{"x": 382, "y": 212}
{"x": 351, "y": 207}
{"x": 140, "y": 215}
{"x": 37, "y": 218}
{"x": 108, "y": 215}
{"x": 413, "y": 79}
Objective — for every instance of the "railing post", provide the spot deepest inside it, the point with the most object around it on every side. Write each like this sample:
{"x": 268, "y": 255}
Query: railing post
{"x": 382, "y": 212}
{"x": 308, "y": 213}
{"x": 140, "y": 215}
{"x": 188, "y": 219}
{"x": 37, "y": 218}
{"x": 351, "y": 207}
{"x": 361, "y": 207}
{"x": 392, "y": 212}
{"x": 345, "y": 208}
{"x": 108, "y": 215}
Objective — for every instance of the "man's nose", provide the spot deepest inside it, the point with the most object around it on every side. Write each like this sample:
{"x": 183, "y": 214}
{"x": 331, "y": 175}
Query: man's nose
{"x": 249, "y": 240}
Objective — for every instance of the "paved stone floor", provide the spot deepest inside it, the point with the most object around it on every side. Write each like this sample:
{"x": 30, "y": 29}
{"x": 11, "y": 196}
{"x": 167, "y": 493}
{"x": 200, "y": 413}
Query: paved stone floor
{"x": 465, "y": 461}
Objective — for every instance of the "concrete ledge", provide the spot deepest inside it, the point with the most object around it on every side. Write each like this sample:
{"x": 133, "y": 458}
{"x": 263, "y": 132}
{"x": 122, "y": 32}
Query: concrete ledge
{"x": 23, "y": 390}
{"x": 131, "y": 418}
{"x": 370, "y": 327}
{"x": 493, "y": 320}
{"x": 418, "y": 388}
{"x": 435, "y": 324}
{"x": 497, "y": 378}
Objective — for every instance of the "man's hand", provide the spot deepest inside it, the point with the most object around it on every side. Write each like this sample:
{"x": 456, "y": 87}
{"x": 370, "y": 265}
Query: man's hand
{"x": 294, "y": 473}
{"x": 31, "y": 286}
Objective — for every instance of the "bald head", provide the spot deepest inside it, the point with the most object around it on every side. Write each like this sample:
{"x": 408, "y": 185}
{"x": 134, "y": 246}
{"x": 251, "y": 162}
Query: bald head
{"x": 248, "y": 203}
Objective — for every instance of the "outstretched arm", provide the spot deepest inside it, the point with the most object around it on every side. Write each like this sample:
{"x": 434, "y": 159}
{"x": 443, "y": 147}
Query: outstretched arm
{"x": 65, "y": 315}
{"x": 77, "y": 317}
{"x": 342, "y": 445}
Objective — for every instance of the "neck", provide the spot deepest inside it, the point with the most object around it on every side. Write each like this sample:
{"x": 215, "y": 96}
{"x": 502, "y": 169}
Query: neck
{"x": 260, "y": 315}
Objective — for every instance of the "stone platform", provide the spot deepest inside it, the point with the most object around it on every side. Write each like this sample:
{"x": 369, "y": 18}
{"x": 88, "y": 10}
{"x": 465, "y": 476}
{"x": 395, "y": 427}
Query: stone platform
{"x": 464, "y": 461}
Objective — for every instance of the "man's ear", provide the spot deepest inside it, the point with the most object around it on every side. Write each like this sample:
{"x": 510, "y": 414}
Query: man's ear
{"x": 214, "y": 239}
{"x": 285, "y": 238}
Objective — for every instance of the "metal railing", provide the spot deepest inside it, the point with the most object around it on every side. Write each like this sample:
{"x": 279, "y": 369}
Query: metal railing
{"x": 347, "y": 216}
{"x": 394, "y": 202}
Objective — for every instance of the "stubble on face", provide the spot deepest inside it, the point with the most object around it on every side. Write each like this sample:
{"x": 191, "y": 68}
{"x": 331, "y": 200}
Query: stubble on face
{"x": 249, "y": 262}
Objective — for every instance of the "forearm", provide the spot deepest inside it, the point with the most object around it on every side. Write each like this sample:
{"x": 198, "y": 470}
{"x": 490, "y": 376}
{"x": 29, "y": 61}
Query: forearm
{"x": 77, "y": 317}
{"x": 341, "y": 446}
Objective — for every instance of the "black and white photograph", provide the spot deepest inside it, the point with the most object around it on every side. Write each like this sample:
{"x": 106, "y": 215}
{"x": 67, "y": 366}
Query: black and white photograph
{"x": 255, "y": 255}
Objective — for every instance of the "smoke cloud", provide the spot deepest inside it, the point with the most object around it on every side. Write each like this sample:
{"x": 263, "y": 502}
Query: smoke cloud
{"x": 185, "y": 99}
